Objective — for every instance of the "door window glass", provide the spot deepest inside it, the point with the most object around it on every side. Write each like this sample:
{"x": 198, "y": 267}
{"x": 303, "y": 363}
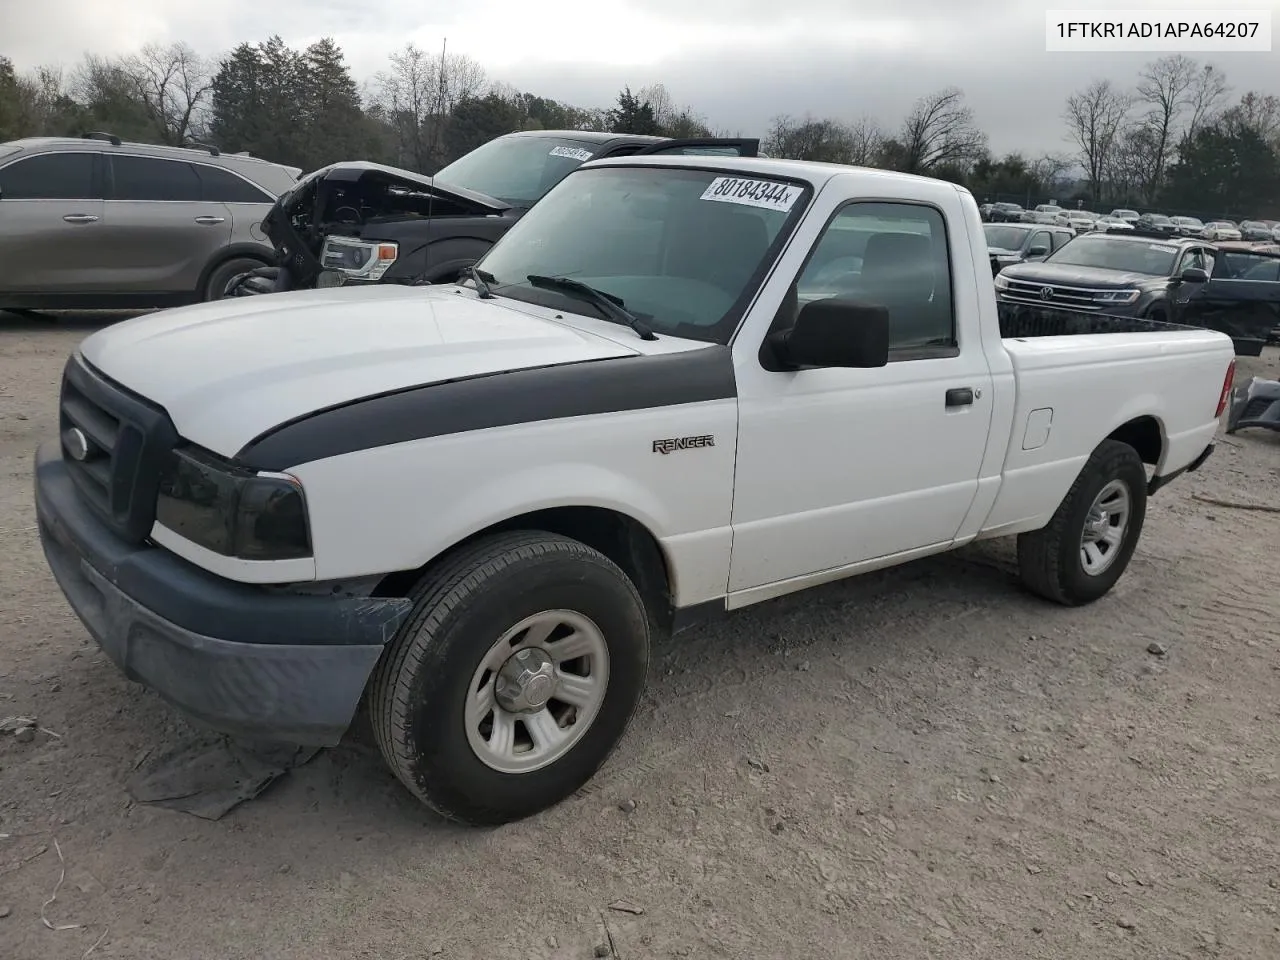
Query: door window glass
{"x": 223, "y": 186}
{"x": 892, "y": 255}
{"x": 50, "y": 176}
{"x": 151, "y": 178}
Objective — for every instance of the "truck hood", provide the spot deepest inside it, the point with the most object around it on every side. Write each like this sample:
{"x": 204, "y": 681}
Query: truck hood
{"x": 232, "y": 369}
{"x": 395, "y": 178}
{"x": 1064, "y": 273}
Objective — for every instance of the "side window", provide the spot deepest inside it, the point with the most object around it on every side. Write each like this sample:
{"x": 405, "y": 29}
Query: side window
{"x": 1041, "y": 239}
{"x": 1196, "y": 259}
{"x": 223, "y": 186}
{"x": 698, "y": 150}
{"x": 892, "y": 255}
{"x": 50, "y": 176}
{"x": 151, "y": 178}
{"x": 1060, "y": 240}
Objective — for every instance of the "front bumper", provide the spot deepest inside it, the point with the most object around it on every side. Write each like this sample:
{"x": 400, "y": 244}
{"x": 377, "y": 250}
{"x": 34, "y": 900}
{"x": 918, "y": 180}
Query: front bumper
{"x": 1256, "y": 404}
{"x": 248, "y": 661}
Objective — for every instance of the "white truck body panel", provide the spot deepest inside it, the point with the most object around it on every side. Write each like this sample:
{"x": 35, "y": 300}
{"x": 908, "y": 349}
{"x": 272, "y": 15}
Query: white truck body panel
{"x": 230, "y": 369}
{"x": 813, "y": 474}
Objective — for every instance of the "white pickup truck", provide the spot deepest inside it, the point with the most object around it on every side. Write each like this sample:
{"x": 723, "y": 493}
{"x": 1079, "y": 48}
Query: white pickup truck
{"x": 677, "y": 387}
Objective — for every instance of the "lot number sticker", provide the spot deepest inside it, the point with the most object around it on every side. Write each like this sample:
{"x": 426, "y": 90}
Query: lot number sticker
{"x": 573, "y": 153}
{"x": 768, "y": 194}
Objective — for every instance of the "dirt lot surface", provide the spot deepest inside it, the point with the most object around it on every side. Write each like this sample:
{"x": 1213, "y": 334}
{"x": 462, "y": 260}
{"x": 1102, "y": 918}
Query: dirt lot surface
{"x": 920, "y": 763}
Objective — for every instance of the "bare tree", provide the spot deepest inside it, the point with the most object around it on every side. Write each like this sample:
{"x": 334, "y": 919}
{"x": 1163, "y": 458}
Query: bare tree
{"x": 1050, "y": 171}
{"x": 1204, "y": 100}
{"x": 866, "y": 138}
{"x": 660, "y": 101}
{"x": 808, "y": 139}
{"x": 940, "y": 131}
{"x": 1257, "y": 112}
{"x": 173, "y": 83}
{"x": 1094, "y": 117}
{"x": 407, "y": 93}
{"x": 1164, "y": 89}
{"x": 1127, "y": 173}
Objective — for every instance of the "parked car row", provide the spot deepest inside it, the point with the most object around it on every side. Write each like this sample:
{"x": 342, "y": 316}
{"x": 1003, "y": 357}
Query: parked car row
{"x": 1231, "y": 286}
{"x": 1084, "y": 221}
{"x": 99, "y": 223}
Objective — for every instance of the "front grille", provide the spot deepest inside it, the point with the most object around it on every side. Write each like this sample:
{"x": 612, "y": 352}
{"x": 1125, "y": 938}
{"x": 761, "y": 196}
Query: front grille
{"x": 1077, "y": 298}
{"x": 115, "y": 445}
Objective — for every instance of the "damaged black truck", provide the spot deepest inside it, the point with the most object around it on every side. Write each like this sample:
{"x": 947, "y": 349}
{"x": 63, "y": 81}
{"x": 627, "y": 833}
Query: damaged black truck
{"x": 362, "y": 222}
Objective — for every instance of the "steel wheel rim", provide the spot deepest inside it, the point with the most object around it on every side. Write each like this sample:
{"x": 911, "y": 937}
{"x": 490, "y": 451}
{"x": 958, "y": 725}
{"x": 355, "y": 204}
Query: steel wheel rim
{"x": 1106, "y": 526}
{"x": 521, "y": 741}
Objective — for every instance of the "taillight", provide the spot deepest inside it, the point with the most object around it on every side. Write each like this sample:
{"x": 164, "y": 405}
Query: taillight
{"x": 1227, "y": 383}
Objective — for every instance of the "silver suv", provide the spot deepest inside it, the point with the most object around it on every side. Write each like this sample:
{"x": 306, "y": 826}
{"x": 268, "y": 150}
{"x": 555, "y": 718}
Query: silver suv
{"x": 96, "y": 222}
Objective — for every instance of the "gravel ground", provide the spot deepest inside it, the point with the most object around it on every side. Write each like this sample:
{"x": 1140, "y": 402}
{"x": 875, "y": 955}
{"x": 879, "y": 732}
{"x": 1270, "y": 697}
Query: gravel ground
{"x": 925, "y": 762}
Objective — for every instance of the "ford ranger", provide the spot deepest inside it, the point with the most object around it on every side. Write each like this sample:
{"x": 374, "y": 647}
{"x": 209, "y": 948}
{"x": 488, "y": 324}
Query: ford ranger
{"x": 678, "y": 386}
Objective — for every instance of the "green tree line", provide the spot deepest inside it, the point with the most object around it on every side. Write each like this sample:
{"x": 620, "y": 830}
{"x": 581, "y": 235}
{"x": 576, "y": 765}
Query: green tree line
{"x": 1179, "y": 140}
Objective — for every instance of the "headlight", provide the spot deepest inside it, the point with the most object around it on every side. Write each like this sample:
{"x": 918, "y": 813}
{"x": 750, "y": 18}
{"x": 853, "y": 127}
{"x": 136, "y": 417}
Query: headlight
{"x": 358, "y": 259}
{"x": 1118, "y": 296}
{"x": 1002, "y": 282}
{"x": 233, "y": 512}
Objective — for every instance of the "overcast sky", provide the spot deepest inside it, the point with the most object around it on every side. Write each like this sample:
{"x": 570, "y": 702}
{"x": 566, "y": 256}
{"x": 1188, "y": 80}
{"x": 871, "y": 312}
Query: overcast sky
{"x": 738, "y": 62}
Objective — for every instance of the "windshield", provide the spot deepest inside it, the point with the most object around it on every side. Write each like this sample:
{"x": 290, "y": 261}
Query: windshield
{"x": 1124, "y": 213}
{"x": 517, "y": 170}
{"x": 1008, "y": 206}
{"x": 683, "y": 249}
{"x": 1158, "y": 218}
{"x": 1118, "y": 254}
{"x": 1187, "y": 221}
{"x": 1254, "y": 225}
{"x": 1006, "y": 238}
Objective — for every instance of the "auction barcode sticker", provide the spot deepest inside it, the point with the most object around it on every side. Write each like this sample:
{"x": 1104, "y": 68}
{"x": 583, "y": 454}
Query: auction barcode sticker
{"x": 1211, "y": 30}
{"x": 573, "y": 153}
{"x": 769, "y": 194}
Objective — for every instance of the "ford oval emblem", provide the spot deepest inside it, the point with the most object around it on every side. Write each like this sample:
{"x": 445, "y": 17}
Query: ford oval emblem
{"x": 1046, "y": 293}
{"x": 77, "y": 444}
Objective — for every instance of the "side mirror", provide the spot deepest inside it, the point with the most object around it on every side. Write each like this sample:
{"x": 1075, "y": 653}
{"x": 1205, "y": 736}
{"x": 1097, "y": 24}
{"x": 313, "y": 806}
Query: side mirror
{"x": 835, "y": 332}
{"x": 1194, "y": 275}
{"x": 1038, "y": 251}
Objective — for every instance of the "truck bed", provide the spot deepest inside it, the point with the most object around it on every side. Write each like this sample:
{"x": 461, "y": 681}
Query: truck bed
{"x": 1020, "y": 321}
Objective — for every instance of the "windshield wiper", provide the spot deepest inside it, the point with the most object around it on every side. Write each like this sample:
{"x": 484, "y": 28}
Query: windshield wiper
{"x": 482, "y": 279}
{"x": 612, "y": 307}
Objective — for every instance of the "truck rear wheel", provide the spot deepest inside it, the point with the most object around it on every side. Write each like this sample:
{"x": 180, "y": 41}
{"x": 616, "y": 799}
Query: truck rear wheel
{"x": 514, "y": 679}
{"x": 1087, "y": 545}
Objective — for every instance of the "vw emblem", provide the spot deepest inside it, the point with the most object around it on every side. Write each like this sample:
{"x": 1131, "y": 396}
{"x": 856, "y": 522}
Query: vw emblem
{"x": 1046, "y": 293}
{"x": 77, "y": 444}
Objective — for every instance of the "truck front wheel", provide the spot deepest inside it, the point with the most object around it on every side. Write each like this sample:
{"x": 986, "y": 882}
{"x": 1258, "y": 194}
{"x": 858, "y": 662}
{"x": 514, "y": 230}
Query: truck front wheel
{"x": 1087, "y": 545}
{"x": 514, "y": 679}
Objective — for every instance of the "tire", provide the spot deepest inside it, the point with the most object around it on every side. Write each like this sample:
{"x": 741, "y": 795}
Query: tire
{"x": 221, "y": 275}
{"x": 463, "y": 609}
{"x": 1051, "y": 560}
{"x": 1157, "y": 315}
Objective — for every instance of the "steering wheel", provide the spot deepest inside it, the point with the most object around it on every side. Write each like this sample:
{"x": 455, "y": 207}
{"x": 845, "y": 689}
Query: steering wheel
{"x": 353, "y": 215}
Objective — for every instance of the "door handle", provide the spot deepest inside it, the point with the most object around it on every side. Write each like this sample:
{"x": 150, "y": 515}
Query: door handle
{"x": 959, "y": 396}
{"x": 80, "y": 218}
{"x": 209, "y": 221}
